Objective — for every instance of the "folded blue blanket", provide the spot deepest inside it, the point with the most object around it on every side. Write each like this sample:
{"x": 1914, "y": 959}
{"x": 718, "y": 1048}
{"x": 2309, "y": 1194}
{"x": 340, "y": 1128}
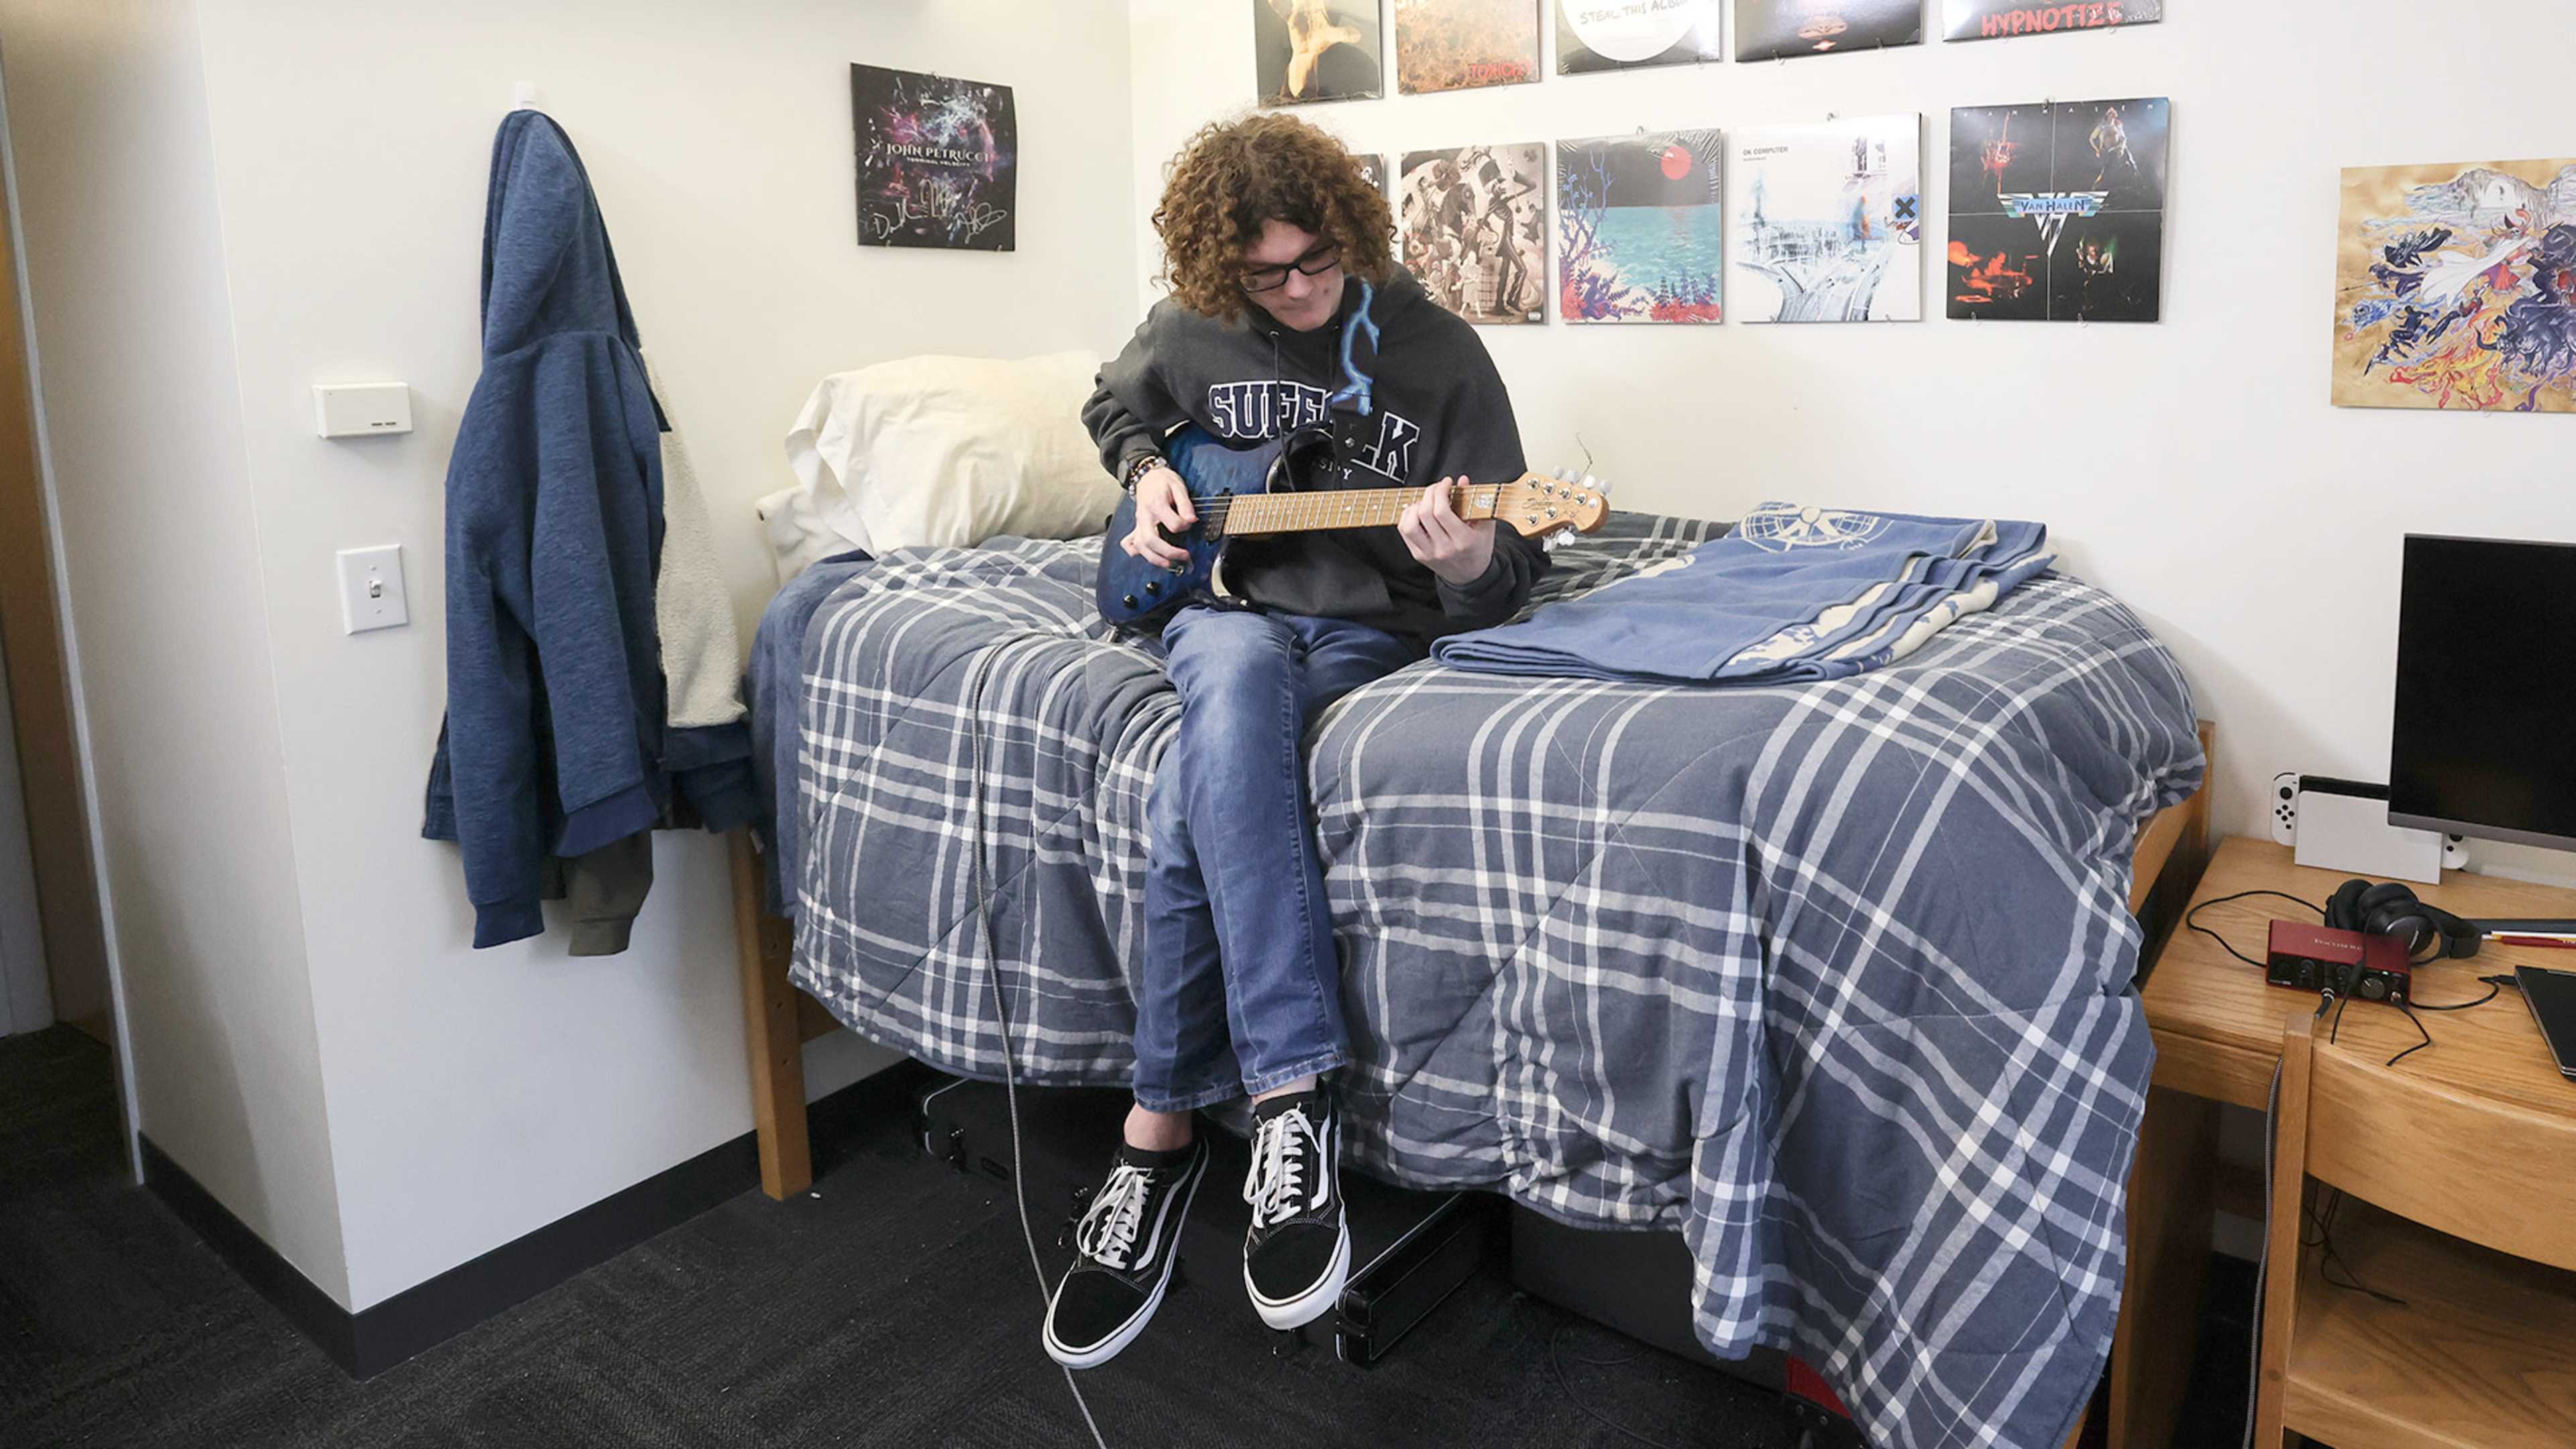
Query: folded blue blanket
{"x": 1793, "y": 593}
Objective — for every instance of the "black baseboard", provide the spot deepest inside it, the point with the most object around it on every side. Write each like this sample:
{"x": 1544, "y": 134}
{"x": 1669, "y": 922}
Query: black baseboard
{"x": 367, "y": 1343}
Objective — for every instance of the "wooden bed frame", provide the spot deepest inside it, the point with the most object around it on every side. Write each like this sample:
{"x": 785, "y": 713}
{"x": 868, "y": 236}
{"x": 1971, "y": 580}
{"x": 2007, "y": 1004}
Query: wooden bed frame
{"x": 778, "y": 1018}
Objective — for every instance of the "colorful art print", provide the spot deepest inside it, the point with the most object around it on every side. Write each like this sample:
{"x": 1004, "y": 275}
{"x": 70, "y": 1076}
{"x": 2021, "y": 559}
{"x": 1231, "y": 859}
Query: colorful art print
{"x": 1827, "y": 221}
{"x": 1473, "y": 224}
{"x": 2057, "y": 212}
{"x": 939, "y": 161}
{"x": 2001, "y": 19}
{"x": 1640, "y": 233}
{"x": 1316, "y": 50}
{"x": 1604, "y": 35}
{"x": 1773, "y": 29}
{"x": 1450, "y": 45}
{"x": 2455, "y": 287}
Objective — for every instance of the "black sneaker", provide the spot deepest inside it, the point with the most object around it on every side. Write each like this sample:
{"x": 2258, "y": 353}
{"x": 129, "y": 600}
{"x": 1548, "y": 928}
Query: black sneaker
{"x": 1127, "y": 1243}
{"x": 1298, "y": 1254}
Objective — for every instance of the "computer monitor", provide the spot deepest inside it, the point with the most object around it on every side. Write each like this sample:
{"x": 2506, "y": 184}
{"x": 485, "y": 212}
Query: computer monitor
{"x": 2485, "y": 742}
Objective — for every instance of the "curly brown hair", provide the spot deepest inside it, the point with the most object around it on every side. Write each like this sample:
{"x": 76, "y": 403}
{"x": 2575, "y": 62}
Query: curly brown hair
{"x": 1236, "y": 175}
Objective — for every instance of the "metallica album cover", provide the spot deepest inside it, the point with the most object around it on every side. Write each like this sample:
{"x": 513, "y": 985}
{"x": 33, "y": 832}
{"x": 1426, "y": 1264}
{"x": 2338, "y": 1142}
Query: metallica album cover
{"x": 1315, "y": 50}
{"x": 2057, "y": 211}
{"x": 1450, "y": 45}
{"x": 2003, "y": 19}
{"x": 1771, "y": 29}
{"x": 939, "y": 161}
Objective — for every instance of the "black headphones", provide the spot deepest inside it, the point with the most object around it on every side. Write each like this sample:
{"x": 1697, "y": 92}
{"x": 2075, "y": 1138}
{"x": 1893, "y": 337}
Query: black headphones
{"x": 2430, "y": 933}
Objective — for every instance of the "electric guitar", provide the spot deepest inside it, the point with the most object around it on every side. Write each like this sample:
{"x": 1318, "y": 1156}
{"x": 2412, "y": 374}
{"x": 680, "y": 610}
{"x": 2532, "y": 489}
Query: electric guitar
{"x": 1272, "y": 488}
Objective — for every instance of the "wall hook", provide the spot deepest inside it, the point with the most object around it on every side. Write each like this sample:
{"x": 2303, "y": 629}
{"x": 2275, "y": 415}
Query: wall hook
{"x": 523, "y": 96}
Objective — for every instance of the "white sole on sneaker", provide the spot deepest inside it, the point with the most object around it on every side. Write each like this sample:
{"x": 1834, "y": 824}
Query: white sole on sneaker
{"x": 1315, "y": 1302}
{"x": 1110, "y": 1347}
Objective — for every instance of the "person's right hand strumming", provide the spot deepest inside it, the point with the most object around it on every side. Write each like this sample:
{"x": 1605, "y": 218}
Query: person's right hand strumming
{"x": 1162, "y": 502}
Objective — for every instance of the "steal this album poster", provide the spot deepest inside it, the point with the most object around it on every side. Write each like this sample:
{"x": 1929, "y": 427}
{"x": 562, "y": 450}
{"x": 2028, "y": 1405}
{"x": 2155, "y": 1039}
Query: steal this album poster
{"x": 1640, "y": 233}
{"x": 939, "y": 161}
{"x": 1773, "y": 29}
{"x": 1473, "y": 224}
{"x": 1452, "y": 45}
{"x": 2004, "y": 19}
{"x": 1315, "y": 50}
{"x": 2057, "y": 211}
{"x": 1605, "y": 35}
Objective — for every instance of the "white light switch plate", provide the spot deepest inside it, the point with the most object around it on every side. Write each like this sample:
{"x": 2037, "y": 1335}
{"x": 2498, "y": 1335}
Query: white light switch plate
{"x": 371, "y": 589}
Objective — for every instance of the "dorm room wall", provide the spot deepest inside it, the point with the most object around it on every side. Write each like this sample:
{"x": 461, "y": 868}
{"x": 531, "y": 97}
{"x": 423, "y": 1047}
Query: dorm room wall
{"x": 475, "y": 1096}
{"x": 2192, "y": 467}
{"x": 158, "y": 562}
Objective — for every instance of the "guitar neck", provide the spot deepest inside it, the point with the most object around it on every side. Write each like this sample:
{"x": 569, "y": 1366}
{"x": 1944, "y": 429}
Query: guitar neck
{"x": 1252, "y": 515}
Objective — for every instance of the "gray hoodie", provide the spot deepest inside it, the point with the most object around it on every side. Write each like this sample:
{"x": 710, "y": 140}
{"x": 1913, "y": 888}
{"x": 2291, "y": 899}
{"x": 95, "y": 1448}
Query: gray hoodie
{"x": 1437, "y": 410}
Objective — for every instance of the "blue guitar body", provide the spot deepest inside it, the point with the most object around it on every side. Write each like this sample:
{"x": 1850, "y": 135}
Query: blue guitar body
{"x": 1134, "y": 591}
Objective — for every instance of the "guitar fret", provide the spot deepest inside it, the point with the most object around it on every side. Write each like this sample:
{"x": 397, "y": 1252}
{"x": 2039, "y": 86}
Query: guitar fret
{"x": 1269, "y": 513}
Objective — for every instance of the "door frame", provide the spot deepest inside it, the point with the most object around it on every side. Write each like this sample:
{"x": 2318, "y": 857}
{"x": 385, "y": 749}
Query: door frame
{"x": 41, "y": 653}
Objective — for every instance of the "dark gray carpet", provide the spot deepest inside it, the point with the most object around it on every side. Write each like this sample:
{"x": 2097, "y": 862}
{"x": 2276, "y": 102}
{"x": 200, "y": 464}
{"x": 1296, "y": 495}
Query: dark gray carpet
{"x": 894, "y": 1308}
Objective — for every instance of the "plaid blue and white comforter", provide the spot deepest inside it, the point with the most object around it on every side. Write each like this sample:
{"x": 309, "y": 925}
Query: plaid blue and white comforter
{"x": 1834, "y": 977}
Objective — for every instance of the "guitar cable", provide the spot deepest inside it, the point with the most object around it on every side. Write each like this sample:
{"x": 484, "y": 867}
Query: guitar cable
{"x": 977, "y": 887}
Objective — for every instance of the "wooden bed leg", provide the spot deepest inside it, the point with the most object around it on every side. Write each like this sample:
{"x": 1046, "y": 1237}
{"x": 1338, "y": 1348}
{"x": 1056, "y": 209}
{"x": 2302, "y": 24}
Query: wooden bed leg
{"x": 771, "y": 1030}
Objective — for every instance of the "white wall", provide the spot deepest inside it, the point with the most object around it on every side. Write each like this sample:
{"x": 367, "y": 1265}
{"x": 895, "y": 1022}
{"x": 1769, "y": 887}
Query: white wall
{"x": 2193, "y": 467}
{"x": 477, "y": 1095}
{"x": 143, "y": 440}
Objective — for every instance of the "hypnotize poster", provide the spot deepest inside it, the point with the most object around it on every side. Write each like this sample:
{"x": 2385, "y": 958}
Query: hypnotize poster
{"x": 1640, "y": 228}
{"x": 2057, "y": 211}
{"x": 2004, "y": 19}
{"x": 938, "y": 161}
{"x": 1315, "y": 50}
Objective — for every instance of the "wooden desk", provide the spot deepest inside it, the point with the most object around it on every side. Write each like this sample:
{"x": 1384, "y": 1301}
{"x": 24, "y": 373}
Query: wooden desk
{"x": 2218, "y": 1036}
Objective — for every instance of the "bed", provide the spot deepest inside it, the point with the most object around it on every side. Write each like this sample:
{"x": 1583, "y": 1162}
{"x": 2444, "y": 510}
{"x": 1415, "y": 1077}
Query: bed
{"x": 1836, "y": 979}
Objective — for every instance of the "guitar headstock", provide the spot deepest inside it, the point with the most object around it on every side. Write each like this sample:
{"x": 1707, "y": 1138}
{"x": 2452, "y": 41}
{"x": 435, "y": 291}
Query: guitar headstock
{"x": 1553, "y": 508}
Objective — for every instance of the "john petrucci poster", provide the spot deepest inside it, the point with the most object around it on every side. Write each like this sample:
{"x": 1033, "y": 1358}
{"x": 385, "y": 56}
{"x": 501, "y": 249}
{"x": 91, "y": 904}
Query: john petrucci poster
{"x": 939, "y": 161}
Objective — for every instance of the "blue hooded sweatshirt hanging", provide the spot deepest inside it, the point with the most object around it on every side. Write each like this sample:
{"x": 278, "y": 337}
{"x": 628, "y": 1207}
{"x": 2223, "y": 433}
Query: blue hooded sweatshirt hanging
{"x": 1792, "y": 593}
{"x": 554, "y": 743}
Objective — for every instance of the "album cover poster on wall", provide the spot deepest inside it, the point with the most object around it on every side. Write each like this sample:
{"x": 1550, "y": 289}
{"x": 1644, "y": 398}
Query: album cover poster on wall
{"x": 2057, "y": 212}
{"x": 1374, "y": 171}
{"x": 1473, "y": 224}
{"x": 2003, "y": 19}
{"x": 938, "y": 161}
{"x": 1315, "y": 50}
{"x": 1827, "y": 221}
{"x": 2455, "y": 287}
{"x": 1640, "y": 228}
{"x": 1450, "y": 45}
{"x": 1602, "y": 35}
{"x": 1772, "y": 29}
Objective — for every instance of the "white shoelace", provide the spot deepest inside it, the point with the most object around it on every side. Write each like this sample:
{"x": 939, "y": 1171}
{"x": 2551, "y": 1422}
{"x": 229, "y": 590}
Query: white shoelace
{"x": 1108, "y": 1231}
{"x": 1281, "y": 1151}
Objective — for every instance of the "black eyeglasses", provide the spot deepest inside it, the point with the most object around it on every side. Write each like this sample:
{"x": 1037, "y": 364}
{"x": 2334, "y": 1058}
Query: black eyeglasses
{"x": 1313, "y": 264}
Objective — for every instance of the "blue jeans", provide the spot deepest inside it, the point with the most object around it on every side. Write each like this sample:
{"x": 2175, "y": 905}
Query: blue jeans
{"x": 1240, "y": 990}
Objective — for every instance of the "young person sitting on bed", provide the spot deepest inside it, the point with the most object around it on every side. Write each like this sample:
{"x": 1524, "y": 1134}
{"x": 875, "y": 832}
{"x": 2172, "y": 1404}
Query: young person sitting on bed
{"x": 1286, "y": 309}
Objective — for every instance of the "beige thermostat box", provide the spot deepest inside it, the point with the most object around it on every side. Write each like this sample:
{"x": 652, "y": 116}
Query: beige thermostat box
{"x": 361, "y": 409}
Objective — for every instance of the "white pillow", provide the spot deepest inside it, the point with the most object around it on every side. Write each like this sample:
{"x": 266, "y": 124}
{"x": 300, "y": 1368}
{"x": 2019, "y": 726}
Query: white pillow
{"x": 945, "y": 452}
{"x": 800, "y": 536}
